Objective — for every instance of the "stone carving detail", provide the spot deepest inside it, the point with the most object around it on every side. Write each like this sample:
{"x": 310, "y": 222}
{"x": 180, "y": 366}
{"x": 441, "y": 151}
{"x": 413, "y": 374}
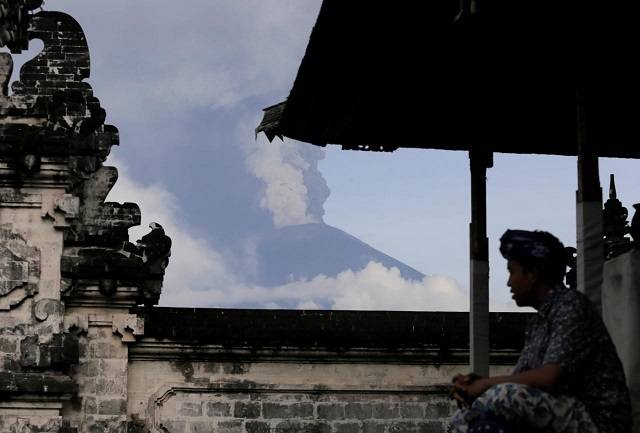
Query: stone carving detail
{"x": 47, "y": 307}
{"x": 61, "y": 351}
{"x": 634, "y": 230}
{"x": 153, "y": 249}
{"x": 60, "y": 209}
{"x": 53, "y": 189}
{"x": 53, "y": 133}
{"x": 616, "y": 226}
{"x": 13, "y": 28}
{"x": 128, "y": 326}
{"x": 19, "y": 268}
{"x": 76, "y": 323}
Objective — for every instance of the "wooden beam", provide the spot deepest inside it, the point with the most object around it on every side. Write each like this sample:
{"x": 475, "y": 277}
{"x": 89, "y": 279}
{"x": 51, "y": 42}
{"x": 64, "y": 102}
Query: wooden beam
{"x": 479, "y": 263}
{"x": 589, "y": 212}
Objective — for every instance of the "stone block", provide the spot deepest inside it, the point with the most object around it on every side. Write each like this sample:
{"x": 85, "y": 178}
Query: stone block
{"x": 116, "y": 406}
{"x": 204, "y": 426}
{"x": 361, "y": 411}
{"x": 89, "y": 368}
{"x": 218, "y": 409}
{"x": 373, "y": 427}
{"x": 330, "y": 411}
{"x": 317, "y": 427}
{"x": 438, "y": 410}
{"x": 412, "y": 411}
{"x": 64, "y": 349}
{"x": 230, "y": 427}
{"x": 289, "y": 426}
{"x": 287, "y": 411}
{"x": 257, "y": 427}
{"x": 235, "y": 367}
{"x": 385, "y": 410}
{"x": 347, "y": 427}
{"x": 90, "y": 406}
{"x": 190, "y": 409}
{"x": 431, "y": 427}
{"x": 403, "y": 427}
{"x": 36, "y": 383}
{"x": 246, "y": 410}
{"x": 102, "y": 350}
{"x": 274, "y": 410}
{"x": 8, "y": 345}
{"x": 113, "y": 386}
{"x": 174, "y": 426}
{"x": 31, "y": 354}
{"x": 238, "y": 396}
{"x": 133, "y": 427}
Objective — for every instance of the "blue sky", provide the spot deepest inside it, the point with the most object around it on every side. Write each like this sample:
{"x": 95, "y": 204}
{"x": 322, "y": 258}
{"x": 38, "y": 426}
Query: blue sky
{"x": 185, "y": 84}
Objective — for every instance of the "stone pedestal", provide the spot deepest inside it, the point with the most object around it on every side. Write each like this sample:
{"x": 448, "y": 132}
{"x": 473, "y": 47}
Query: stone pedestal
{"x": 621, "y": 313}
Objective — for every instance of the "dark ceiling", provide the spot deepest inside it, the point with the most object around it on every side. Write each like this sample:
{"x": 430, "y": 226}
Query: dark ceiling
{"x": 378, "y": 76}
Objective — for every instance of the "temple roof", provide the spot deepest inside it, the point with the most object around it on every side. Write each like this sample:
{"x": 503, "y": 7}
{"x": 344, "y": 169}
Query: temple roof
{"x": 378, "y": 76}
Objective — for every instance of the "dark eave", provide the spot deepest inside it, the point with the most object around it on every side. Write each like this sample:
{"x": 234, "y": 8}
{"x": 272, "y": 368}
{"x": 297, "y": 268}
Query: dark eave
{"x": 334, "y": 329}
{"x": 379, "y": 76}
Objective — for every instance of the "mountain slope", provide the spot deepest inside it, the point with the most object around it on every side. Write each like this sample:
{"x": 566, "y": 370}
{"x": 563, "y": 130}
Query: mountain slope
{"x": 304, "y": 251}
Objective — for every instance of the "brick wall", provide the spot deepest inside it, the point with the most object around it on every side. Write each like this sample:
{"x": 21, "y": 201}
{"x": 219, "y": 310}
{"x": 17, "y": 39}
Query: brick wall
{"x": 281, "y": 371}
{"x": 288, "y": 411}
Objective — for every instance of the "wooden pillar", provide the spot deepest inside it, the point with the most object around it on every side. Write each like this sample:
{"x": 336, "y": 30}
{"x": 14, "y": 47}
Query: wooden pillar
{"x": 589, "y": 213}
{"x": 479, "y": 263}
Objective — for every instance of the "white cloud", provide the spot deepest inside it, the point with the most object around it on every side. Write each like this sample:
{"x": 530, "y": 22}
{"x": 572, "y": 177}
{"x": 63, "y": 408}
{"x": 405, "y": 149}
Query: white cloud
{"x": 214, "y": 55}
{"x": 207, "y": 54}
{"x": 197, "y": 275}
{"x": 193, "y": 262}
{"x": 379, "y": 288}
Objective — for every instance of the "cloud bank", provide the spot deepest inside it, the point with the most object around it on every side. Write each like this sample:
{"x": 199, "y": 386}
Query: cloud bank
{"x": 184, "y": 87}
{"x": 198, "y": 274}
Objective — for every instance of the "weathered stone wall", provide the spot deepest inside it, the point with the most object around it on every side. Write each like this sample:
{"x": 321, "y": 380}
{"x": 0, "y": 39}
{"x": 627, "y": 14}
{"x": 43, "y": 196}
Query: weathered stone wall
{"x": 102, "y": 374}
{"x": 259, "y": 371}
{"x": 253, "y": 408}
{"x": 620, "y": 311}
{"x": 201, "y": 370}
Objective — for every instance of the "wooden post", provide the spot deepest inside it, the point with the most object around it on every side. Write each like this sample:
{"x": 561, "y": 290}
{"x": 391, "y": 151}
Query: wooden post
{"x": 589, "y": 213}
{"x": 479, "y": 263}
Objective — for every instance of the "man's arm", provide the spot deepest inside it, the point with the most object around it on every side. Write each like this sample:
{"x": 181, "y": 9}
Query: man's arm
{"x": 547, "y": 377}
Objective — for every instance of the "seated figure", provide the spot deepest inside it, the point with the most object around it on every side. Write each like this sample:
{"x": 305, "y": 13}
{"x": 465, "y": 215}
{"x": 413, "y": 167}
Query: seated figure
{"x": 568, "y": 378}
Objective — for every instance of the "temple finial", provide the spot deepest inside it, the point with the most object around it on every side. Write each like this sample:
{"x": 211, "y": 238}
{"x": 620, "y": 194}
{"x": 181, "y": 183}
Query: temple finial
{"x": 612, "y": 187}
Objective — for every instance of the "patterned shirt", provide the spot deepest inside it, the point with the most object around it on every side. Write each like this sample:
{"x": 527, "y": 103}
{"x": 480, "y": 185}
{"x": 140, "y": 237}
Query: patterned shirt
{"x": 568, "y": 331}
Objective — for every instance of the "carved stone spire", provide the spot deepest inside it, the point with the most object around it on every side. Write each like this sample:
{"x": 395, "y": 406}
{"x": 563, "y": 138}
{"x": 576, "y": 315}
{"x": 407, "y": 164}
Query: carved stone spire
{"x": 62, "y": 261}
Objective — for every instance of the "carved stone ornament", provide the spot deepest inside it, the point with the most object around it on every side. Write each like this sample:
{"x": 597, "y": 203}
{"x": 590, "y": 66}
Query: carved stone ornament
{"x": 19, "y": 268}
{"x": 634, "y": 230}
{"x": 53, "y": 137}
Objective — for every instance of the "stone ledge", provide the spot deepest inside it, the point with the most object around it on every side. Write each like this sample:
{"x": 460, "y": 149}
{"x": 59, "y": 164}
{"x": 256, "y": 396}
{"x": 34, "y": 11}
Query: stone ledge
{"x": 19, "y": 384}
{"x": 229, "y": 333}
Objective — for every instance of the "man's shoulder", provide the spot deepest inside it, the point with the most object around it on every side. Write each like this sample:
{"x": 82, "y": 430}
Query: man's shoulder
{"x": 567, "y": 295}
{"x": 568, "y": 301}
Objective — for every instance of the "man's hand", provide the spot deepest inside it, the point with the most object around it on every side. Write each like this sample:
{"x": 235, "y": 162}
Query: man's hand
{"x": 466, "y": 388}
{"x": 463, "y": 390}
